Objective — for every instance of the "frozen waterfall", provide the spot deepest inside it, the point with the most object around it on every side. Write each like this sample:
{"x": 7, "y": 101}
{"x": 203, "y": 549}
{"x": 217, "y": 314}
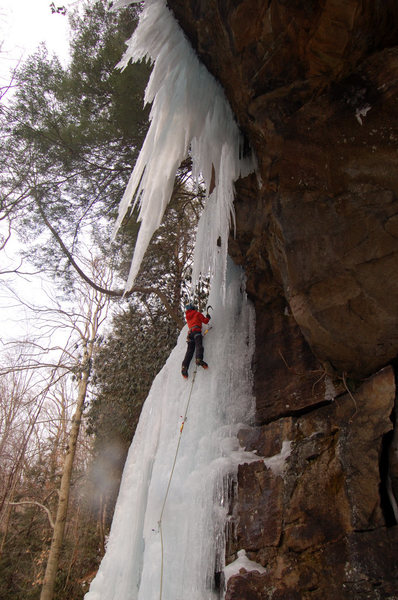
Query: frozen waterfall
{"x": 190, "y": 115}
{"x": 195, "y": 513}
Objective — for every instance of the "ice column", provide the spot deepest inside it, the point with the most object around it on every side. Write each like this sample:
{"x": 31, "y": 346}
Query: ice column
{"x": 197, "y": 505}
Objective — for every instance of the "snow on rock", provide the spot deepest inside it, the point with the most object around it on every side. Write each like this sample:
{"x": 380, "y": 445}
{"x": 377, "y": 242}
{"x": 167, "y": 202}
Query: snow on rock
{"x": 242, "y": 562}
{"x": 190, "y": 113}
{"x": 277, "y": 462}
{"x": 195, "y": 513}
{"x": 330, "y": 390}
{"x": 362, "y": 112}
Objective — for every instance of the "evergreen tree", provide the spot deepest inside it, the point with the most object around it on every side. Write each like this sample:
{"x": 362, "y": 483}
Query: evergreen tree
{"x": 71, "y": 135}
{"x": 140, "y": 339}
{"x": 69, "y": 141}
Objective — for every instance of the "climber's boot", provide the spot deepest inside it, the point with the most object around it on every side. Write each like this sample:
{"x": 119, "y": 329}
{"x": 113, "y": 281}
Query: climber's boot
{"x": 202, "y": 363}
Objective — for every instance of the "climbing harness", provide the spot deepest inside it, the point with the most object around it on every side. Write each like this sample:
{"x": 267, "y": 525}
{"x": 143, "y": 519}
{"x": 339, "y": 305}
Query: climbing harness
{"x": 184, "y": 420}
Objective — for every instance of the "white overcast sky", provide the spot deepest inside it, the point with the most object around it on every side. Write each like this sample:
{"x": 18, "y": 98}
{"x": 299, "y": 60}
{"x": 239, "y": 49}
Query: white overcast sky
{"x": 24, "y": 24}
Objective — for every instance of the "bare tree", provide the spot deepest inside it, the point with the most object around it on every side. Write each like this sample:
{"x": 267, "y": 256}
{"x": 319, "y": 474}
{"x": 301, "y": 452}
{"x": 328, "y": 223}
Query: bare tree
{"x": 87, "y": 325}
{"x": 58, "y": 377}
{"x": 20, "y": 408}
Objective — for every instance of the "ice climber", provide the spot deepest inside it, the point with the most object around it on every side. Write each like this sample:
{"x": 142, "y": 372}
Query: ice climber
{"x": 194, "y": 339}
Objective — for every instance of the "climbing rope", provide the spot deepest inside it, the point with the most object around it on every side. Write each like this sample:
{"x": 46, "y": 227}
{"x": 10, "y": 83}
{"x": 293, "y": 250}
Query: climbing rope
{"x": 169, "y": 484}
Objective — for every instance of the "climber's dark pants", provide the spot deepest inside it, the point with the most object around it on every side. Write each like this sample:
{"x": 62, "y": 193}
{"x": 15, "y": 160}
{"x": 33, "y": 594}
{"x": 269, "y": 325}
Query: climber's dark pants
{"x": 194, "y": 340}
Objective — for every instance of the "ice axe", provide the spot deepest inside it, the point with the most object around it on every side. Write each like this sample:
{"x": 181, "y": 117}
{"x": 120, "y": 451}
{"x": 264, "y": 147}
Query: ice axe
{"x": 207, "y": 313}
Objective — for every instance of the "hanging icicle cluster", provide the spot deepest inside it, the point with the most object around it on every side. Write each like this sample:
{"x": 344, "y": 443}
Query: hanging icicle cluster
{"x": 190, "y": 115}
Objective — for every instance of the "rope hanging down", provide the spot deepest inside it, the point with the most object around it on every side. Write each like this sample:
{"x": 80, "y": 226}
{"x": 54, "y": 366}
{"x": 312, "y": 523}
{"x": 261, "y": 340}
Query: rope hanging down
{"x": 168, "y": 486}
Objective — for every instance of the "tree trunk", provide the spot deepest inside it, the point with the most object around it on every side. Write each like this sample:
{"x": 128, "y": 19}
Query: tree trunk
{"x": 47, "y": 591}
{"x": 8, "y": 514}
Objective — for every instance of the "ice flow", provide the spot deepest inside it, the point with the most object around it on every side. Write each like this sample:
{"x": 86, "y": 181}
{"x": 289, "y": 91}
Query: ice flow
{"x": 196, "y": 511}
{"x": 190, "y": 114}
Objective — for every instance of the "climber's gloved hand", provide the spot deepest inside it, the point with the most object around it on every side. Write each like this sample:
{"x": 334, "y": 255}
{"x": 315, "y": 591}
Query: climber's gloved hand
{"x": 208, "y": 316}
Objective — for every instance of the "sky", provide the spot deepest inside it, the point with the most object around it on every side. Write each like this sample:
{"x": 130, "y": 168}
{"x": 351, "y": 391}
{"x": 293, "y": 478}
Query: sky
{"x": 24, "y": 24}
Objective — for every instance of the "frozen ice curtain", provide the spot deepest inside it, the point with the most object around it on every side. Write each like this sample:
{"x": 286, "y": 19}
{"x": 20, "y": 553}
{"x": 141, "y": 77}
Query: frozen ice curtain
{"x": 196, "y": 511}
{"x": 190, "y": 115}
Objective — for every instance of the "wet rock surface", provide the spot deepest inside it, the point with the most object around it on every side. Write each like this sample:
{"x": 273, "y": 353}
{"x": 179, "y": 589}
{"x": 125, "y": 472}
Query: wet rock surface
{"x": 289, "y": 379}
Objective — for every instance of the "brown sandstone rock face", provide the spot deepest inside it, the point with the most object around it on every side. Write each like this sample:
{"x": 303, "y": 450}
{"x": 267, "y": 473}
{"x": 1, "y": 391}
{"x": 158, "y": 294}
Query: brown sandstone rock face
{"x": 315, "y": 520}
{"x": 314, "y": 86}
{"x": 338, "y": 259}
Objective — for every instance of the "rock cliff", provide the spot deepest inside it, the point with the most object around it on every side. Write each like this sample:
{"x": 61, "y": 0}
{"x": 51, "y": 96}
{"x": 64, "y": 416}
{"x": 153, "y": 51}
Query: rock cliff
{"x": 314, "y": 87}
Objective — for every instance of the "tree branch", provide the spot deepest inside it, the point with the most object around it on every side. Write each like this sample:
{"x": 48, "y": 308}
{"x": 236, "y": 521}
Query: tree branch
{"x": 50, "y": 519}
{"x": 113, "y": 293}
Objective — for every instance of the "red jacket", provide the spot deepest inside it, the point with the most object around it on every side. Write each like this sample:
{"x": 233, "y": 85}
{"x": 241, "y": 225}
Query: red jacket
{"x": 195, "y": 320}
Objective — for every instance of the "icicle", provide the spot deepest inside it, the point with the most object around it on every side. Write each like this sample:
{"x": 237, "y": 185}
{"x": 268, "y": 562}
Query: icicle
{"x": 189, "y": 113}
